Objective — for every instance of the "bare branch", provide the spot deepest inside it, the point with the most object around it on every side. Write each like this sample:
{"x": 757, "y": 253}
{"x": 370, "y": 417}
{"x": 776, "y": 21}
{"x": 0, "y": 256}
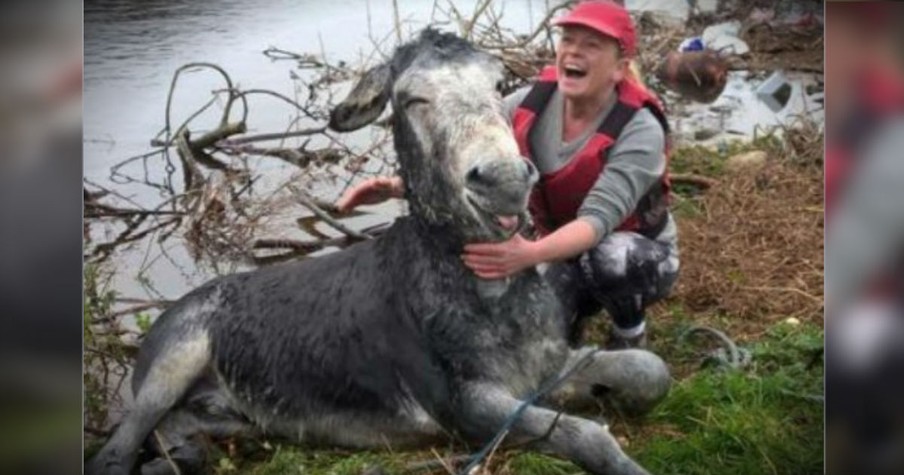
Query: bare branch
{"x": 308, "y": 202}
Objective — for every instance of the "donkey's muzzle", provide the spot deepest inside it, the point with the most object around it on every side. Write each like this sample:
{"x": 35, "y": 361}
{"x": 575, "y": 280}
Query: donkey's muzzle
{"x": 503, "y": 184}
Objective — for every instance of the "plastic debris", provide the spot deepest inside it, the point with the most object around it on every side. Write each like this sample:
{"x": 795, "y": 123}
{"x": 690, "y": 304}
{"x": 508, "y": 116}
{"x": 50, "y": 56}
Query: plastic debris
{"x": 723, "y": 37}
{"x": 775, "y": 91}
{"x": 739, "y": 112}
{"x": 691, "y": 44}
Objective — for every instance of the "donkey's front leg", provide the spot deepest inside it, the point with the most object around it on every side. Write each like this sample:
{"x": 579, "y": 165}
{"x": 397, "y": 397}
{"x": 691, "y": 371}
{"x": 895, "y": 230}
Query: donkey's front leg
{"x": 485, "y": 408}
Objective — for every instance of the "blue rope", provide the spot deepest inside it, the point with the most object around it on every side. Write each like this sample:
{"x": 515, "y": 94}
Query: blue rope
{"x": 480, "y": 455}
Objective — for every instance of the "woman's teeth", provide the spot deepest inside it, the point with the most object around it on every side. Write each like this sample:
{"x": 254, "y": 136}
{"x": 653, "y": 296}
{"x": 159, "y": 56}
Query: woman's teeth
{"x": 574, "y": 71}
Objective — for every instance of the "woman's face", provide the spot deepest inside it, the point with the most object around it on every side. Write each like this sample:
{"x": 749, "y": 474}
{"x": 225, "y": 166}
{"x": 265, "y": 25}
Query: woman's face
{"x": 589, "y": 64}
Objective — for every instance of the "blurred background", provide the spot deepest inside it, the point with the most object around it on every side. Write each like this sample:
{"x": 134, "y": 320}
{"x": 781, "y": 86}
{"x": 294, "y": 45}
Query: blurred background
{"x": 40, "y": 236}
{"x": 864, "y": 252}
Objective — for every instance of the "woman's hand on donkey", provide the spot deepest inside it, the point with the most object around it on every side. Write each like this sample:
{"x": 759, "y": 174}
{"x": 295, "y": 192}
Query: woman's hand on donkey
{"x": 371, "y": 191}
{"x": 502, "y": 259}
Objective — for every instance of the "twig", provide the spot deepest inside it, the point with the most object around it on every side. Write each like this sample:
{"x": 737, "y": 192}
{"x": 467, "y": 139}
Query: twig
{"x": 496, "y": 446}
{"x": 541, "y": 27}
{"x": 469, "y": 27}
{"x": 308, "y": 202}
{"x": 267, "y": 92}
{"x": 155, "y": 142}
{"x": 397, "y": 21}
{"x": 305, "y": 247}
{"x": 787, "y": 289}
{"x": 276, "y": 53}
{"x": 692, "y": 179}
{"x": 166, "y": 453}
{"x": 191, "y": 174}
{"x": 136, "y": 309}
{"x": 100, "y": 210}
{"x": 274, "y": 136}
{"x": 438, "y": 462}
{"x": 104, "y": 249}
{"x": 161, "y": 302}
{"x": 445, "y": 465}
{"x": 179, "y": 71}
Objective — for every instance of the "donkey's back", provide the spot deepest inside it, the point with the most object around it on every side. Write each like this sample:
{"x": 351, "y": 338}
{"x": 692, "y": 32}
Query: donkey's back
{"x": 298, "y": 340}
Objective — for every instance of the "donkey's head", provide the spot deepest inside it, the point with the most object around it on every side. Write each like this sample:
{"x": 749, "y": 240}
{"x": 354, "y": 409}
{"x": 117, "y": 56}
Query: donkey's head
{"x": 456, "y": 150}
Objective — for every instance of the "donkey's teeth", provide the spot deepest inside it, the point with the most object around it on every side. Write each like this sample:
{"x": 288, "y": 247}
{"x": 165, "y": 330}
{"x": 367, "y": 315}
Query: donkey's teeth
{"x": 508, "y": 222}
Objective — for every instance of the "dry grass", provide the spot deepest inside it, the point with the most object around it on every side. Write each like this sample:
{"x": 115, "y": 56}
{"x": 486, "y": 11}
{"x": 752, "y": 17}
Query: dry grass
{"x": 780, "y": 48}
{"x": 752, "y": 247}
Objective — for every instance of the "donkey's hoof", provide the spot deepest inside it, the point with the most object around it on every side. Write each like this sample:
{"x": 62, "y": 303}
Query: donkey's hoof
{"x": 101, "y": 465}
{"x": 160, "y": 466}
{"x": 187, "y": 459}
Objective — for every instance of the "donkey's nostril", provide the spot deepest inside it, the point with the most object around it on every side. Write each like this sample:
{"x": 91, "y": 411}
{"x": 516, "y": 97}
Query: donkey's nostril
{"x": 531, "y": 170}
{"x": 600, "y": 391}
{"x": 475, "y": 177}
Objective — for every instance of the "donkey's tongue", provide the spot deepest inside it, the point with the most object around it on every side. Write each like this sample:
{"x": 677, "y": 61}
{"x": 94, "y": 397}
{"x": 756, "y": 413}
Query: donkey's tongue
{"x": 508, "y": 222}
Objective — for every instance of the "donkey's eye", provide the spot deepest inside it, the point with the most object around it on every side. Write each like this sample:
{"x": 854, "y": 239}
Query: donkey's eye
{"x": 411, "y": 101}
{"x": 500, "y": 86}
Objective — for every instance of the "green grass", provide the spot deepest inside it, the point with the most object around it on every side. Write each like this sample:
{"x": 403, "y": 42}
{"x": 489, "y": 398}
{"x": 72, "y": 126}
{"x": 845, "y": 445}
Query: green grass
{"x": 287, "y": 459}
{"x": 687, "y": 207}
{"x": 765, "y": 419}
{"x": 527, "y": 463}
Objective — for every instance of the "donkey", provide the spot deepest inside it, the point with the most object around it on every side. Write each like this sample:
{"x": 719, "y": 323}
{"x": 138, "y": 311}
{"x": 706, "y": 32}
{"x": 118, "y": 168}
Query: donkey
{"x": 392, "y": 340}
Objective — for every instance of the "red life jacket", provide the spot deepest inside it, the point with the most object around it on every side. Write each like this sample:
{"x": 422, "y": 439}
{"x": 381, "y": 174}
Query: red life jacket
{"x": 556, "y": 198}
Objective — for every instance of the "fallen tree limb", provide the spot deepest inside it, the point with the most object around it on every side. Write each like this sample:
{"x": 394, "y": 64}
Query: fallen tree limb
{"x": 309, "y": 203}
{"x": 699, "y": 181}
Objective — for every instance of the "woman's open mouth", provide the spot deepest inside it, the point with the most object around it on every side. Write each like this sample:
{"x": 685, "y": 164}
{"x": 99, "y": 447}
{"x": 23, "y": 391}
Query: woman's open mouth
{"x": 574, "y": 71}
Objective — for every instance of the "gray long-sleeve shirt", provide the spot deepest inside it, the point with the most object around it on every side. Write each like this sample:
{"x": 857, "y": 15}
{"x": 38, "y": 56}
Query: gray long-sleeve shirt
{"x": 635, "y": 162}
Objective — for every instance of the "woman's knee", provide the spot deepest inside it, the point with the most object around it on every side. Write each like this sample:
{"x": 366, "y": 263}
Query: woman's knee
{"x": 631, "y": 262}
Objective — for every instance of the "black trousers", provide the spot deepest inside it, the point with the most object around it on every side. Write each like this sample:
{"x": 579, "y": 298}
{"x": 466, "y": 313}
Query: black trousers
{"x": 623, "y": 274}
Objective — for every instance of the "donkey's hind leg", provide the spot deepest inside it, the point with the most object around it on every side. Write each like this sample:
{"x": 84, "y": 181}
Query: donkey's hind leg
{"x": 205, "y": 411}
{"x": 170, "y": 375}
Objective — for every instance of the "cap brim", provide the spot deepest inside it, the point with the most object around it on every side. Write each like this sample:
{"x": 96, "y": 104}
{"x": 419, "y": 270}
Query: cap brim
{"x": 602, "y": 29}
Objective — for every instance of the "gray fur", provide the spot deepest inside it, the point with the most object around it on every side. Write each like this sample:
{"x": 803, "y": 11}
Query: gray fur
{"x": 390, "y": 341}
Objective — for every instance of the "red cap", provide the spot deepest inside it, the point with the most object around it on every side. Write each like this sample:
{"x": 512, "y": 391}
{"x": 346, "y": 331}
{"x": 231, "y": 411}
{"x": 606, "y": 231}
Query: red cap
{"x": 606, "y": 17}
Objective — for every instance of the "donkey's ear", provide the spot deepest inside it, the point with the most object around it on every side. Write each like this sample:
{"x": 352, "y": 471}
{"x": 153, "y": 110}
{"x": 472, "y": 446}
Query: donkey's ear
{"x": 366, "y": 101}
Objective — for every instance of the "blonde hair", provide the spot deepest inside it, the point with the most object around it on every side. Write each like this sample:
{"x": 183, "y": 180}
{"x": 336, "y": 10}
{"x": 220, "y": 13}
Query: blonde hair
{"x": 634, "y": 72}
